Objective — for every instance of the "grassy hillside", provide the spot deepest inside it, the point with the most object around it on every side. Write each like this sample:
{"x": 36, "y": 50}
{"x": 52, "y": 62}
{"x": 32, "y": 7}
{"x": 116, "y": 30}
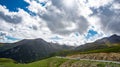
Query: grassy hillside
{"x": 43, "y": 63}
{"x": 115, "y": 49}
{"x": 1, "y": 44}
{"x": 56, "y": 62}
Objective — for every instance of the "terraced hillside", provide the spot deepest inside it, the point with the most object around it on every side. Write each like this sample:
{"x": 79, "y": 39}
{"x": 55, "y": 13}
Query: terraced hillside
{"x": 57, "y": 62}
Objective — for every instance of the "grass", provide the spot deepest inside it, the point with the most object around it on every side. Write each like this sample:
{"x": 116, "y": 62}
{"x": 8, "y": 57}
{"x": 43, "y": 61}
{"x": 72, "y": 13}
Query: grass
{"x": 112, "y": 48}
{"x": 1, "y": 44}
{"x": 42, "y": 63}
{"x": 106, "y": 50}
{"x": 115, "y": 49}
{"x": 5, "y": 60}
{"x": 55, "y": 62}
{"x": 61, "y": 62}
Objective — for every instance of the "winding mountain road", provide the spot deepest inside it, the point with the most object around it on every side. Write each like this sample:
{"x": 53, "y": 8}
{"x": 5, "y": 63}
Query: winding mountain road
{"x": 89, "y": 59}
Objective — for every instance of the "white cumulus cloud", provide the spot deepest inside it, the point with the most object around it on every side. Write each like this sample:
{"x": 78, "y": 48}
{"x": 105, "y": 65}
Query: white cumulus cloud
{"x": 61, "y": 18}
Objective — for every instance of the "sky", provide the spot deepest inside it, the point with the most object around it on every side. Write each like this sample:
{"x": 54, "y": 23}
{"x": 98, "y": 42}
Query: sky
{"x": 71, "y": 22}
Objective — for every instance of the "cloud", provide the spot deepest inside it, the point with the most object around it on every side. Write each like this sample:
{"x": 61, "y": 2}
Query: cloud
{"x": 10, "y": 19}
{"x": 59, "y": 24}
{"x": 98, "y": 3}
{"x": 64, "y": 18}
{"x": 109, "y": 18}
{"x": 68, "y": 21}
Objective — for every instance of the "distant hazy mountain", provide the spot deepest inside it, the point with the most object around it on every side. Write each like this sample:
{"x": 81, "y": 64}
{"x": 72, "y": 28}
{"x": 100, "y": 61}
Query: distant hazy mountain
{"x": 29, "y": 50}
{"x": 101, "y": 43}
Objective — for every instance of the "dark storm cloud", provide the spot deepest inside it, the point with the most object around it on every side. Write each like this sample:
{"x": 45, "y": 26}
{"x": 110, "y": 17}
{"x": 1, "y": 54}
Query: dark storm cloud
{"x": 10, "y": 19}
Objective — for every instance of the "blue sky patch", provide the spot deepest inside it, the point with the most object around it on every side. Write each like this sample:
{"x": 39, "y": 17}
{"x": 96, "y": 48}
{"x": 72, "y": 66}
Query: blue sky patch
{"x": 55, "y": 38}
{"x": 91, "y": 33}
{"x": 43, "y": 3}
{"x": 13, "y": 5}
{"x": 11, "y": 38}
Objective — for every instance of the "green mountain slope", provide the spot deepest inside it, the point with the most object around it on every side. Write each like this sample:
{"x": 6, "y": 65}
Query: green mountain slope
{"x": 112, "y": 49}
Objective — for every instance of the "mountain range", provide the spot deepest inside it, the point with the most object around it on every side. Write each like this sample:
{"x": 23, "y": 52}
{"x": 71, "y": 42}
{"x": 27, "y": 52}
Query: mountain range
{"x": 29, "y": 50}
{"x": 100, "y": 43}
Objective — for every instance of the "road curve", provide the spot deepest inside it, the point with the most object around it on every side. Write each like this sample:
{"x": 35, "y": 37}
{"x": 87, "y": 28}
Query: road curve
{"x": 89, "y": 59}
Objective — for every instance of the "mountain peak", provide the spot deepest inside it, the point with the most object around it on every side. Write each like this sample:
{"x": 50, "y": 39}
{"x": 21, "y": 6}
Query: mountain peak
{"x": 29, "y": 40}
{"x": 114, "y": 35}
